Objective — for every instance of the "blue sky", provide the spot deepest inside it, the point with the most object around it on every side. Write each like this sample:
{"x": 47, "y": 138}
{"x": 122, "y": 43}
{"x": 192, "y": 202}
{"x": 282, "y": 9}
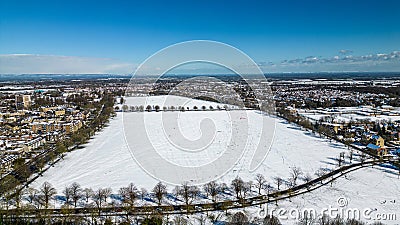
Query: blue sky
{"x": 122, "y": 34}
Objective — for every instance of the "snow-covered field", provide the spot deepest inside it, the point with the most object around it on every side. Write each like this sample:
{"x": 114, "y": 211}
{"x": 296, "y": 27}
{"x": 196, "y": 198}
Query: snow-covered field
{"x": 107, "y": 162}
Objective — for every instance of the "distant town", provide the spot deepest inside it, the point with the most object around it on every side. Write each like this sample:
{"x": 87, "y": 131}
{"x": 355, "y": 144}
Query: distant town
{"x": 42, "y": 121}
{"x": 34, "y": 117}
{"x": 39, "y": 125}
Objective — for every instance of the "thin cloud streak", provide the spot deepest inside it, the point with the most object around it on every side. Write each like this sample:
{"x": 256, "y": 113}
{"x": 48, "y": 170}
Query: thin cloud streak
{"x": 48, "y": 64}
{"x": 31, "y": 64}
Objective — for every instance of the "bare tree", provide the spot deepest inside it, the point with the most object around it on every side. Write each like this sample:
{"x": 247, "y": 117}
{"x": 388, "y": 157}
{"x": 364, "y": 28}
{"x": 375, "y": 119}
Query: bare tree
{"x": 67, "y": 194}
{"x": 159, "y": 191}
{"x": 188, "y": 193}
{"x": 47, "y": 191}
{"x": 76, "y": 192}
{"x": 206, "y": 189}
{"x": 351, "y": 155}
{"x": 246, "y": 188}
{"x": 100, "y": 196}
{"x": 106, "y": 194}
{"x": 32, "y": 194}
{"x": 97, "y": 197}
{"x": 223, "y": 187}
{"x": 128, "y": 194}
{"x": 176, "y": 191}
{"x": 237, "y": 186}
{"x": 339, "y": 161}
{"x": 278, "y": 182}
{"x": 87, "y": 193}
{"x": 212, "y": 189}
{"x": 295, "y": 173}
{"x": 143, "y": 193}
{"x": 260, "y": 181}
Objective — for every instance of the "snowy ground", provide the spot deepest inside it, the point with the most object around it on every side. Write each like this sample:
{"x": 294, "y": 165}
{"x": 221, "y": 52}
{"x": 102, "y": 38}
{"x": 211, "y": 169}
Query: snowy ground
{"x": 107, "y": 162}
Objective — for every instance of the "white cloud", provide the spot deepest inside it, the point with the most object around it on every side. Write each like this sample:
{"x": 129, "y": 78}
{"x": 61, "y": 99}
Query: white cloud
{"x": 47, "y": 64}
{"x": 345, "y": 51}
{"x": 381, "y": 62}
{"x": 30, "y": 64}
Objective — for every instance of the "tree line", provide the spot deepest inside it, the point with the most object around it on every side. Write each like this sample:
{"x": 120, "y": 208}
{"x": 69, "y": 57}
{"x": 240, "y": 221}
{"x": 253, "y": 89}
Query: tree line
{"x": 76, "y": 197}
{"x": 157, "y": 108}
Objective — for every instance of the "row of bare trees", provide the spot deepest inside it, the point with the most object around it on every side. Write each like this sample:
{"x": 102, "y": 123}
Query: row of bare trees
{"x": 75, "y": 196}
{"x": 39, "y": 198}
{"x": 157, "y": 108}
